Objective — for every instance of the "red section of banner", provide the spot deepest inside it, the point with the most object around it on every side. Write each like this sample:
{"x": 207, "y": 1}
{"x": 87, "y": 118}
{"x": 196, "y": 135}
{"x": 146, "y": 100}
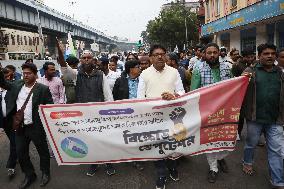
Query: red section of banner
{"x": 219, "y": 111}
{"x": 65, "y": 114}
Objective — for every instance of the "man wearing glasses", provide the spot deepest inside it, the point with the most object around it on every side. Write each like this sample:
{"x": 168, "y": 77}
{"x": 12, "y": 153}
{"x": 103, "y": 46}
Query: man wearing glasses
{"x": 161, "y": 80}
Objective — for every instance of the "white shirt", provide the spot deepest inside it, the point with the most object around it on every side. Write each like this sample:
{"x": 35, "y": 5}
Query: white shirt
{"x": 111, "y": 78}
{"x": 193, "y": 61}
{"x": 3, "y": 91}
{"x": 23, "y": 94}
{"x": 143, "y": 87}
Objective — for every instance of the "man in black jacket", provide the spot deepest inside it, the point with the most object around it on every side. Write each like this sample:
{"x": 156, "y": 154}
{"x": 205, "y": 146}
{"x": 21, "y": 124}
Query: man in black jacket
{"x": 32, "y": 126}
{"x": 6, "y": 124}
{"x": 126, "y": 87}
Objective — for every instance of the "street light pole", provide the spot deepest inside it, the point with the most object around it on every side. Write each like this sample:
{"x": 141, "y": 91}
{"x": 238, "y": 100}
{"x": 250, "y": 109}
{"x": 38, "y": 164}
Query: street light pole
{"x": 72, "y": 3}
{"x": 185, "y": 24}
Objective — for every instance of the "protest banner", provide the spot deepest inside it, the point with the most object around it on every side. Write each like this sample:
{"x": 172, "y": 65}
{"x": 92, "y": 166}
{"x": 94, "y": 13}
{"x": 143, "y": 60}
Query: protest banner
{"x": 202, "y": 121}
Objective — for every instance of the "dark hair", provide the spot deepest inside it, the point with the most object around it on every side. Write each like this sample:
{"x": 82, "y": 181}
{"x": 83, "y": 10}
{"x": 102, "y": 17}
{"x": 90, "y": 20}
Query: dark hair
{"x": 104, "y": 60}
{"x": 154, "y": 47}
{"x": 115, "y": 58}
{"x": 46, "y": 64}
{"x": 199, "y": 46}
{"x": 131, "y": 64}
{"x": 262, "y": 47}
{"x": 5, "y": 70}
{"x": 173, "y": 56}
{"x": 232, "y": 51}
{"x": 29, "y": 60}
{"x": 280, "y": 51}
{"x": 30, "y": 66}
{"x": 11, "y": 67}
{"x": 127, "y": 57}
{"x": 247, "y": 52}
{"x": 211, "y": 45}
{"x": 72, "y": 60}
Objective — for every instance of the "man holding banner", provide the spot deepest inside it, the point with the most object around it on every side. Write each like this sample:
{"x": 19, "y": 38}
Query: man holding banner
{"x": 156, "y": 81}
{"x": 212, "y": 71}
{"x": 91, "y": 86}
{"x": 264, "y": 112}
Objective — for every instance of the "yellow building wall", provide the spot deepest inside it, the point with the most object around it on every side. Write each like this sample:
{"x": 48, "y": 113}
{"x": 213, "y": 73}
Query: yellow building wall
{"x": 225, "y": 8}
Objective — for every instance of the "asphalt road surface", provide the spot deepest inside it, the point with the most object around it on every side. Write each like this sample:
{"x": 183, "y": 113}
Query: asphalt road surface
{"x": 192, "y": 171}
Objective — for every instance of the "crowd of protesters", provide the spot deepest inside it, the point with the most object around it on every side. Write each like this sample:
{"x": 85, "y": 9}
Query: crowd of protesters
{"x": 155, "y": 74}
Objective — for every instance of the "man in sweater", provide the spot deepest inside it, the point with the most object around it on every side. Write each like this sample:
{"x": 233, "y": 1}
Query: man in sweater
{"x": 212, "y": 71}
{"x": 91, "y": 86}
{"x": 161, "y": 80}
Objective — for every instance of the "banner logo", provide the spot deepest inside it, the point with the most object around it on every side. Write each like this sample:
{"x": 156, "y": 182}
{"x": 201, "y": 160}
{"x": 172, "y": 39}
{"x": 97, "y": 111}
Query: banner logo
{"x": 74, "y": 147}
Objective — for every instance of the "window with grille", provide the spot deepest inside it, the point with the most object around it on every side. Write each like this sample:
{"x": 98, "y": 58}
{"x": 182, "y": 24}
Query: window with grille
{"x": 217, "y": 7}
{"x": 234, "y": 3}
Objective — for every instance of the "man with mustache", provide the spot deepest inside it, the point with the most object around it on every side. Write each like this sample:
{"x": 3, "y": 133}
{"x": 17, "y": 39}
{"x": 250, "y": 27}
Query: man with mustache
{"x": 161, "y": 80}
{"x": 264, "y": 112}
{"x": 91, "y": 86}
{"x": 209, "y": 72}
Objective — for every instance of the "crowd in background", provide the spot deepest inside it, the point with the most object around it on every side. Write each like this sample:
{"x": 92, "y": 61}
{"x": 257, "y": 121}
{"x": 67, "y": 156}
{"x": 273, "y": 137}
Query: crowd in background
{"x": 145, "y": 75}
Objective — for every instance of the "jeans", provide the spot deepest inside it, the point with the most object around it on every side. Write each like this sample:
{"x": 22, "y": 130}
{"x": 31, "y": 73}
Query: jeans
{"x": 274, "y": 140}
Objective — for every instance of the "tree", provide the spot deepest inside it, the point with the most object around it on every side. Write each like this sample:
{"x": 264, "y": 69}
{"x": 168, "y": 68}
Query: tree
{"x": 168, "y": 29}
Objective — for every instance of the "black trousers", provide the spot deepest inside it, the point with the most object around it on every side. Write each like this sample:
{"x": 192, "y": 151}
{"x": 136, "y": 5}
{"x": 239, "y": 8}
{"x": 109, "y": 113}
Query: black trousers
{"x": 12, "y": 160}
{"x": 38, "y": 137}
{"x": 162, "y": 166}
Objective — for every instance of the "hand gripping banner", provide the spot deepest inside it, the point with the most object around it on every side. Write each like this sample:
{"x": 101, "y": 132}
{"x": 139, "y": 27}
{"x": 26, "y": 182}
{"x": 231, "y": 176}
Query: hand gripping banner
{"x": 202, "y": 121}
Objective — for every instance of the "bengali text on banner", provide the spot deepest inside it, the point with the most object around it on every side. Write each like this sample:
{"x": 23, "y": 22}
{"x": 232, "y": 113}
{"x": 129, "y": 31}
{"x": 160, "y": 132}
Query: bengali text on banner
{"x": 202, "y": 121}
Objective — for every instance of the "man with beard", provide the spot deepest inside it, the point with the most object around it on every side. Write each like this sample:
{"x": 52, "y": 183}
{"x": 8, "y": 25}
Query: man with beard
{"x": 91, "y": 86}
{"x": 212, "y": 71}
{"x": 161, "y": 80}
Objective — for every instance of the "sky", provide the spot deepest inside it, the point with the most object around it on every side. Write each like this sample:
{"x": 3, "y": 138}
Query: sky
{"x": 122, "y": 18}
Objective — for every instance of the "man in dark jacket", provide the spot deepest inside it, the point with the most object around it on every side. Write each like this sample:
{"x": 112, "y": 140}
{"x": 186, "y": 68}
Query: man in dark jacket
{"x": 32, "y": 126}
{"x": 248, "y": 57}
{"x": 264, "y": 112}
{"x": 6, "y": 124}
{"x": 126, "y": 87}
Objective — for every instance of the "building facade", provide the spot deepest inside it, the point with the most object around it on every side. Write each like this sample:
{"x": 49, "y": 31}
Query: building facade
{"x": 244, "y": 24}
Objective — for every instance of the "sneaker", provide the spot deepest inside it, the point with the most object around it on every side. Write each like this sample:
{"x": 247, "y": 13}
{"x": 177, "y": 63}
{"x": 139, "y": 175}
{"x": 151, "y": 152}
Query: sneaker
{"x": 212, "y": 176}
{"x": 92, "y": 170}
{"x": 174, "y": 175}
{"x": 223, "y": 165}
{"x": 161, "y": 183}
{"x": 11, "y": 173}
{"x": 110, "y": 170}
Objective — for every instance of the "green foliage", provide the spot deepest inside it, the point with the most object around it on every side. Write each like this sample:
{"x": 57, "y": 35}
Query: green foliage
{"x": 169, "y": 28}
